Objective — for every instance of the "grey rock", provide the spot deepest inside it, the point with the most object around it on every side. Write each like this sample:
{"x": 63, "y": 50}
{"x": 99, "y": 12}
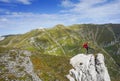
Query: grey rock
{"x": 88, "y": 68}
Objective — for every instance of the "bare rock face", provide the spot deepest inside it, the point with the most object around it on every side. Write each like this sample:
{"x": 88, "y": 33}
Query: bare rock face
{"x": 88, "y": 68}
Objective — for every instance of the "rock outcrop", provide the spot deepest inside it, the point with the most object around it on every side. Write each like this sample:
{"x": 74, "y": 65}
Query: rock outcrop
{"x": 17, "y": 66}
{"x": 88, "y": 68}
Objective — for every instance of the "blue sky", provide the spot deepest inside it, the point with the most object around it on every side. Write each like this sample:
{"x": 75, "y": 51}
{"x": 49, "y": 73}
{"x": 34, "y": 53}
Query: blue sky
{"x": 20, "y": 16}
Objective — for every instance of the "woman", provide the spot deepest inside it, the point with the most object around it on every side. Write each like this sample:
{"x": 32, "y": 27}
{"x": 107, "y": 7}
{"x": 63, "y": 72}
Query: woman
{"x": 85, "y": 45}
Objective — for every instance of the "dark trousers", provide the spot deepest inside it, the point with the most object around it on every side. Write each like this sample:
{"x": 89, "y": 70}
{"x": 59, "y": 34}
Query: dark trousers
{"x": 87, "y": 49}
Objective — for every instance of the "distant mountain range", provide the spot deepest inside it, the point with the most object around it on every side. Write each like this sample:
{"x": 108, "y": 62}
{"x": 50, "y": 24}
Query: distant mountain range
{"x": 51, "y": 48}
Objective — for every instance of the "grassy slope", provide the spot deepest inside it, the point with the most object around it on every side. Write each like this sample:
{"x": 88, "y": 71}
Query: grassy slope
{"x": 51, "y": 68}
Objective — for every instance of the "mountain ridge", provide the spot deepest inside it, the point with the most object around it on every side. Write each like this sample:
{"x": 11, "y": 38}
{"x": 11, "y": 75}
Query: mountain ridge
{"x": 67, "y": 41}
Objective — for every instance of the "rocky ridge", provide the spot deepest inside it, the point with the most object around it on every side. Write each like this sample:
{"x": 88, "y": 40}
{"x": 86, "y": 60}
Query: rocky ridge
{"x": 88, "y": 68}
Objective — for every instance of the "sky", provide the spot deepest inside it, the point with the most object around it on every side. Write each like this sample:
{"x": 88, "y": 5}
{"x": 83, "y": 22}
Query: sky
{"x": 20, "y": 16}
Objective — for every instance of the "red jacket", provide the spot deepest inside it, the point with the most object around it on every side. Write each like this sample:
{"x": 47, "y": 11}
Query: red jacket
{"x": 85, "y": 45}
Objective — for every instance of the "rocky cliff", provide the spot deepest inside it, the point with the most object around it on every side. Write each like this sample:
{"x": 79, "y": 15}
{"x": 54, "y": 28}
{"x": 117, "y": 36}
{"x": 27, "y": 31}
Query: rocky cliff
{"x": 88, "y": 68}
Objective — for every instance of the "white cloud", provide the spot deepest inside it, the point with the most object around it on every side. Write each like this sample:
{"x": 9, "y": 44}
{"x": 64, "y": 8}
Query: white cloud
{"x": 96, "y": 10}
{"x": 67, "y": 3}
{"x": 92, "y": 2}
{"x": 25, "y": 2}
{"x": 27, "y": 21}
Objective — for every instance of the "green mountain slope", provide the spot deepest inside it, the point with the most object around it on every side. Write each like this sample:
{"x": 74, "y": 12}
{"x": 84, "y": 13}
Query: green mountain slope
{"x": 51, "y": 48}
